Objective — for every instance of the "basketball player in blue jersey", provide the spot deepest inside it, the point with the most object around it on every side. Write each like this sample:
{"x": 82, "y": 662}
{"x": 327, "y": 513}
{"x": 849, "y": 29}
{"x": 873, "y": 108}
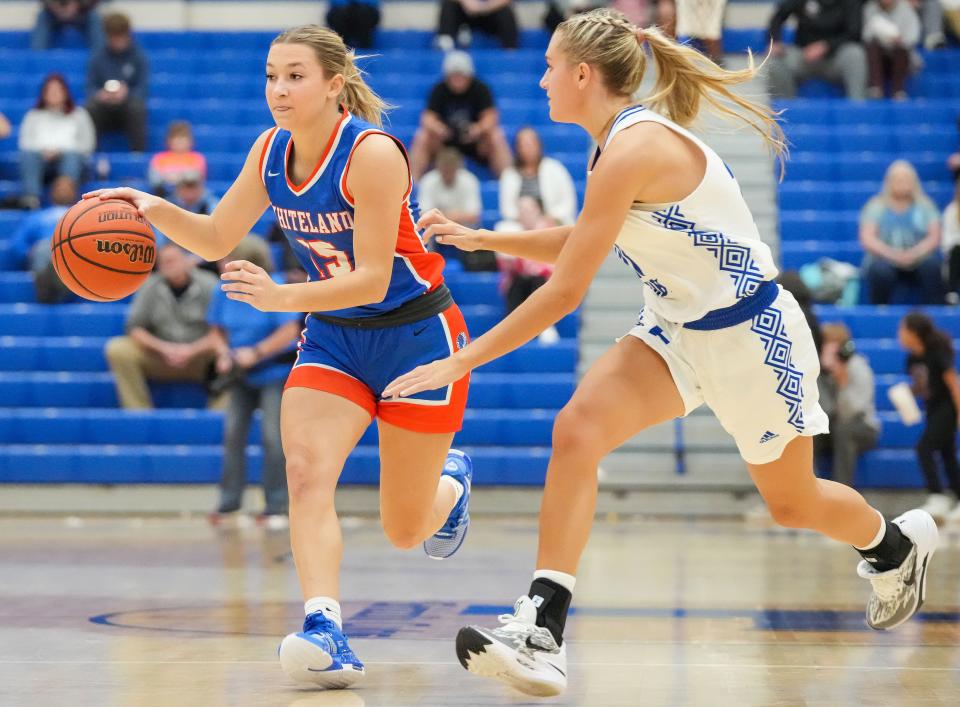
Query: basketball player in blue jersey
{"x": 341, "y": 190}
{"x": 715, "y": 328}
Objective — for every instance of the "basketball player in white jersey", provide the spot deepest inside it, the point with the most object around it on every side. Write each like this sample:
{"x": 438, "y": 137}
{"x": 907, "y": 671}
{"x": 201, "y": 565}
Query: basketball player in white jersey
{"x": 716, "y": 329}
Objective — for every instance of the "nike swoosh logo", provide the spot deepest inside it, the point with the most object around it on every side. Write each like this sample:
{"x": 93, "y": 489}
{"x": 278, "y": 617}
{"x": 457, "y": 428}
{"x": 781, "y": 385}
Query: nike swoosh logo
{"x": 556, "y": 668}
{"x": 913, "y": 574}
{"x": 420, "y": 331}
{"x": 273, "y": 174}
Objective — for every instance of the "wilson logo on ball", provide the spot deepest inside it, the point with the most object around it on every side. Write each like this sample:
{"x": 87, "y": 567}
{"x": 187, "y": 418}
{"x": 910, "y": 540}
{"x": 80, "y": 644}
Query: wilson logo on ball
{"x": 119, "y": 216}
{"x": 136, "y": 252}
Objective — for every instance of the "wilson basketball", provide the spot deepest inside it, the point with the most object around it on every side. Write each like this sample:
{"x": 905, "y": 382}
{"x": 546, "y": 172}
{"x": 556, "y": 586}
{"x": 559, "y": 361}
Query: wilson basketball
{"x": 103, "y": 250}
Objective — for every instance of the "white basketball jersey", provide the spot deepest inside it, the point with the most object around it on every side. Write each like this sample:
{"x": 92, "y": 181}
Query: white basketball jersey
{"x": 699, "y": 254}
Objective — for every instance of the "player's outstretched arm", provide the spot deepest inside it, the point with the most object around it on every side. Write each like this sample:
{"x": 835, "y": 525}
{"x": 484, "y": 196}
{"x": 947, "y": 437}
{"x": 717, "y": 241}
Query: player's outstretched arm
{"x": 543, "y": 245}
{"x": 209, "y": 236}
{"x": 614, "y": 185}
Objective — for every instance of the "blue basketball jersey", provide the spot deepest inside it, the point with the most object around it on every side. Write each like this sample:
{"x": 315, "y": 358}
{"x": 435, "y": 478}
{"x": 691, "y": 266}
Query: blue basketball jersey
{"x": 317, "y": 217}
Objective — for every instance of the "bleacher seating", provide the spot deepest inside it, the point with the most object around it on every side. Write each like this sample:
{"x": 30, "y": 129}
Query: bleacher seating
{"x": 58, "y": 416}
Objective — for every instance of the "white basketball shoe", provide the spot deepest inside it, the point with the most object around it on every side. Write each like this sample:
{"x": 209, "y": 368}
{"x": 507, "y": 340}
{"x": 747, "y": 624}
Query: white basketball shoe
{"x": 899, "y": 593}
{"x": 519, "y": 653}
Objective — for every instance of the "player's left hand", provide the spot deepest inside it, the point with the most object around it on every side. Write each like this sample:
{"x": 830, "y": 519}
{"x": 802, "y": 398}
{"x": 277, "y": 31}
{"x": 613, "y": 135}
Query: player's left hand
{"x": 246, "y": 282}
{"x": 431, "y": 376}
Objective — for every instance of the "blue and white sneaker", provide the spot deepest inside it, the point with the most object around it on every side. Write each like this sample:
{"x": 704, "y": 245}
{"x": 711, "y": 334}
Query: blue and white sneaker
{"x": 319, "y": 655}
{"x": 449, "y": 538}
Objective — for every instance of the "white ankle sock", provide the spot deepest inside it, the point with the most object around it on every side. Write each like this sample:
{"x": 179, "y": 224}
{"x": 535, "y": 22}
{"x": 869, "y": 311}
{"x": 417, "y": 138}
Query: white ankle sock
{"x": 329, "y": 607}
{"x": 878, "y": 538}
{"x": 457, "y": 487}
{"x": 567, "y": 581}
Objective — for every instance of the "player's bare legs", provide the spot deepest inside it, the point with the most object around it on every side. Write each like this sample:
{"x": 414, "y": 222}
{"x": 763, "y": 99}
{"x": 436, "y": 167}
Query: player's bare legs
{"x": 413, "y": 501}
{"x": 628, "y": 389}
{"x": 319, "y": 430}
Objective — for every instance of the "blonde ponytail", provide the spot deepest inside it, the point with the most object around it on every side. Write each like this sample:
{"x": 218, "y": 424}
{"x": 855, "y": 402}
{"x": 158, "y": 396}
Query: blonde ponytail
{"x": 608, "y": 40}
{"x": 334, "y": 59}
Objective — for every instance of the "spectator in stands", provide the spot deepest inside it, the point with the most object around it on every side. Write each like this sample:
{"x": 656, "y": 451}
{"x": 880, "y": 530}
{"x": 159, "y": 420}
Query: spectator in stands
{"x": 459, "y": 18}
{"x": 559, "y": 10}
{"x": 460, "y": 112}
{"x": 354, "y": 20}
{"x": 847, "y": 396}
{"x": 931, "y": 365}
{"x": 451, "y": 188}
{"x": 54, "y": 15}
{"x": 953, "y": 161}
{"x": 255, "y": 351}
{"x": 951, "y": 14}
{"x": 167, "y": 167}
{"x": 950, "y": 246}
{"x": 191, "y": 194}
{"x": 519, "y": 277}
{"x": 167, "y": 333}
{"x": 541, "y": 177}
{"x": 117, "y": 84}
{"x": 932, "y": 17}
{"x": 56, "y": 138}
{"x": 5, "y": 127}
{"x": 827, "y": 46}
{"x": 900, "y": 232}
{"x": 891, "y": 29}
{"x": 31, "y": 241}
{"x": 702, "y": 21}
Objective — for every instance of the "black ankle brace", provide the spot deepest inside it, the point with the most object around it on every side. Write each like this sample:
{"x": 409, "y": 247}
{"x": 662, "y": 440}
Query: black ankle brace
{"x": 552, "y": 601}
{"x": 890, "y": 552}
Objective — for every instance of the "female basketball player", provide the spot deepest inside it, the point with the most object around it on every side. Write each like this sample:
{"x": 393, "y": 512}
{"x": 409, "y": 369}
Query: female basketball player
{"x": 341, "y": 190}
{"x": 715, "y": 329}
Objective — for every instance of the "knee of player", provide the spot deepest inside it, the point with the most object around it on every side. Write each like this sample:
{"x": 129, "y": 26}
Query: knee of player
{"x": 575, "y": 431}
{"x": 306, "y": 475}
{"x": 403, "y": 536}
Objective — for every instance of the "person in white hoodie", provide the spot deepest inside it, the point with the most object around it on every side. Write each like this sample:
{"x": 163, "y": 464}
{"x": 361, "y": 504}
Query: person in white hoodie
{"x": 56, "y": 139}
{"x": 543, "y": 178}
{"x": 891, "y": 30}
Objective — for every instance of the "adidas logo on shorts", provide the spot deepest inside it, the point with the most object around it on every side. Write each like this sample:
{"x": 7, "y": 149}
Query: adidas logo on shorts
{"x": 767, "y": 436}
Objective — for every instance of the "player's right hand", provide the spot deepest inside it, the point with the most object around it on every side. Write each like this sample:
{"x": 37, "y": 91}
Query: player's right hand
{"x": 140, "y": 199}
{"x": 434, "y": 224}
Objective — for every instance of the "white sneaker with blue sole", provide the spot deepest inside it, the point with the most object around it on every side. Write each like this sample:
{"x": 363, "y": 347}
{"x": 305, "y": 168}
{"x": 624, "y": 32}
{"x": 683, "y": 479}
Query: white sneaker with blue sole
{"x": 449, "y": 538}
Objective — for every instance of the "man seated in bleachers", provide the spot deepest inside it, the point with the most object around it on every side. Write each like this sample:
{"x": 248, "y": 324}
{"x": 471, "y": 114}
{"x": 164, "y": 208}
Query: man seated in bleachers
{"x": 455, "y": 191}
{"x": 31, "y": 241}
{"x": 458, "y": 19}
{"x": 354, "y": 20}
{"x": 900, "y": 234}
{"x": 191, "y": 194}
{"x": 461, "y": 113}
{"x": 117, "y": 84}
{"x": 167, "y": 167}
{"x": 54, "y": 15}
{"x": 847, "y": 396}
{"x": 827, "y": 47}
{"x": 167, "y": 337}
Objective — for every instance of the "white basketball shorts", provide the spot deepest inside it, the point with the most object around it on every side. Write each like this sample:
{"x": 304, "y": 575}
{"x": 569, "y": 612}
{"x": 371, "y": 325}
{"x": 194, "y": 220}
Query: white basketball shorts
{"x": 759, "y": 377}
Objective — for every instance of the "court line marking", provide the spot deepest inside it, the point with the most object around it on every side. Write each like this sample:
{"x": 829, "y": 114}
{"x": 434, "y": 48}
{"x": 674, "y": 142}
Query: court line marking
{"x": 603, "y": 664}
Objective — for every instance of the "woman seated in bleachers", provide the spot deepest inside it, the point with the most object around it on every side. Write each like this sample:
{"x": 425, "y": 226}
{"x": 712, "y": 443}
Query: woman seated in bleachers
{"x": 56, "y": 139}
{"x": 891, "y": 30}
{"x": 951, "y": 246}
{"x": 543, "y": 178}
{"x": 900, "y": 234}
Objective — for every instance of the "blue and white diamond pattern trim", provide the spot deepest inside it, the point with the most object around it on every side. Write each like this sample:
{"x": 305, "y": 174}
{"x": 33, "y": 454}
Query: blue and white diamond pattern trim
{"x": 733, "y": 258}
{"x": 768, "y": 325}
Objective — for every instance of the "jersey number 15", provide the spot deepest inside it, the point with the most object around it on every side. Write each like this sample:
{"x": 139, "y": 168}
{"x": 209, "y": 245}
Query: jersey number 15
{"x": 329, "y": 261}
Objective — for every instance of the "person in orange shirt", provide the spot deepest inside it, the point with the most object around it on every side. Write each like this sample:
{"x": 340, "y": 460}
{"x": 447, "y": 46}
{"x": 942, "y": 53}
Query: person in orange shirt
{"x": 167, "y": 168}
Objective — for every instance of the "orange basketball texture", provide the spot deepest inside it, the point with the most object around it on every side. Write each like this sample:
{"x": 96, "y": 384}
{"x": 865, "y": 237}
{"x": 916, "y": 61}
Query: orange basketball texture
{"x": 103, "y": 250}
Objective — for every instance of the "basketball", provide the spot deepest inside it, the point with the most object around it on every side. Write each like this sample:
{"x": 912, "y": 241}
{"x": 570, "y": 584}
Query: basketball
{"x": 103, "y": 250}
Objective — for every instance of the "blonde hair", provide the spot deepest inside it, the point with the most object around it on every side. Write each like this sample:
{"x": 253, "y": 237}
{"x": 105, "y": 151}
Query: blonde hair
{"x": 919, "y": 195}
{"x": 334, "y": 59}
{"x": 606, "y": 39}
